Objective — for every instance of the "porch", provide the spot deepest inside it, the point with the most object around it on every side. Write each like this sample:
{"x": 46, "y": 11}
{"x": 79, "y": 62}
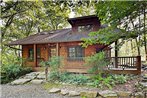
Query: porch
{"x": 123, "y": 65}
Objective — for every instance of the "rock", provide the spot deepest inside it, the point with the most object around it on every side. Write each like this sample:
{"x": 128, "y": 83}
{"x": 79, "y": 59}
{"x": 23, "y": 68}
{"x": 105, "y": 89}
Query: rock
{"x": 20, "y": 81}
{"x": 36, "y": 81}
{"x": 64, "y": 92}
{"x": 139, "y": 95}
{"x": 144, "y": 80}
{"x": 124, "y": 94}
{"x": 29, "y": 77}
{"x": 108, "y": 94}
{"x": 144, "y": 84}
{"x": 73, "y": 93}
{"x": 54, "y": 90}
{"x": 41, "y": 75}
{"x": 89, "y": 94}
{"x": 33, "y": 74}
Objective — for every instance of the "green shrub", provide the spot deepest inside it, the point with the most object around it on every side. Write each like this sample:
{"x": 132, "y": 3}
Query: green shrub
{"x": 13, "y": 71}
{"x": 78, "y": 79}
{"x": 97, "y": 62}
{"x": 54, "y": 63}
{"x": 101, "y": 81}
{"x": 120, "y": 79}
{"x": 54, "y": 75}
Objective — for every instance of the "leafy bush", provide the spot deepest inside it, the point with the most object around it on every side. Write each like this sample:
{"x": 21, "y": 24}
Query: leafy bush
{"x": 54, "y": 63}
{"x": 108, "y": 81}
{"x": 99, "y": 81}
{"x": 13, "y": 71}
{"x": 78, "y": 79}
{"x": 120, "y": 79}
{"x": 97, "y": 62}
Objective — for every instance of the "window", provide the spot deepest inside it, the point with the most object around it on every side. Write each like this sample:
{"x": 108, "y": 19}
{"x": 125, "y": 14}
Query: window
{"x": 31, "y": 54}
{"x": 85, "y": 28}
{"x": 75, "y": 53}
{"x": 38, "y": 53}
{"x": 53, "y": 52}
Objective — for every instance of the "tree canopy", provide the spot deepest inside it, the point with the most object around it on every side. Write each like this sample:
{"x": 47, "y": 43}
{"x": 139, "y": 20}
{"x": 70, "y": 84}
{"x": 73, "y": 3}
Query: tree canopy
{"x": 121, "y": 20}
{"x": 23, "y": 18}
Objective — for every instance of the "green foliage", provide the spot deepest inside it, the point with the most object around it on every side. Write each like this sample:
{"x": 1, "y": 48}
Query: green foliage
{"x": 97, "y": 62}
{"x": 103, "y": 82}
{"x": 108, "y": 81}
{"x": 54, "y": 63}
{"x": 78, "y": 79}
{"x": 118, "y": 21}
{"x": 13, "y": 71}
{"x": 120, "y": 79}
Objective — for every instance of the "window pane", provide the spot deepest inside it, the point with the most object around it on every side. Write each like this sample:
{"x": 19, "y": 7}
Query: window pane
{"x": 31, "y": 54}
{"x": 72, "y": 49}
{"x": 79, "y": 52}
{"x": 38, "y": 53}
{"x": 83, "y": 28}
{"x": 53, "y": 52}
{"x": 72, "y": 52}
{"x": 76, "y": 52}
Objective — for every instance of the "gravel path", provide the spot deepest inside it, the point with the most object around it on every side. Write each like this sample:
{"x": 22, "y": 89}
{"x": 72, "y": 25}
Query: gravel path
{"x": 27, "y": 91}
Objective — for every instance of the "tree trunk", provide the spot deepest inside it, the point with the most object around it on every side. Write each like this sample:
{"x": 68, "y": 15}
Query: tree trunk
{"x": 144, "y": 32}
{"x": 138, "y": 48}
{"x": 46, "y": 73}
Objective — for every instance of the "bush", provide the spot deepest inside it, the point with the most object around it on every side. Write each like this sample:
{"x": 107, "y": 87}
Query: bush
{"x": 108, "y": 81}
{"x": 120, "y": 79}
{"x": 97, "y": 62}
{"x": 101, "y": 82}
{"x": 13, "y": 71}
{"x": 54, "y": 63}
{"x": 78, "y": 79}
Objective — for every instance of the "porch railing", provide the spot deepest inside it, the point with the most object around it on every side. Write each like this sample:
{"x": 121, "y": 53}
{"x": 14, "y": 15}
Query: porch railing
{"x": 125, "y": 62}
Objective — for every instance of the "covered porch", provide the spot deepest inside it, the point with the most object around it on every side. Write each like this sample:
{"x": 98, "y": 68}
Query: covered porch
{"x": 118, "y": 65}
{"x": 35, "y": 53}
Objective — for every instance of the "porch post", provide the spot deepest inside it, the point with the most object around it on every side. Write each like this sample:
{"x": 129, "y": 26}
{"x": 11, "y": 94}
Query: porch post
{"x": 35, "y": 56}
{"x": 57, "y": 49}
{"x": 138, "y": 64}
{"x": 116, "y": 55}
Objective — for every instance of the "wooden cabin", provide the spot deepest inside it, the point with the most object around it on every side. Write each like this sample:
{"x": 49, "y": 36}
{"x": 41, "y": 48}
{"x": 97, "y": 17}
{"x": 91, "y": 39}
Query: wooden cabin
{"x": 64, "y": 42}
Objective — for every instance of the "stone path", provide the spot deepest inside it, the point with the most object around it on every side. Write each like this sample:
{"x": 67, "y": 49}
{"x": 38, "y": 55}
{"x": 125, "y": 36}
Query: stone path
{"x": 24, "y": 90}
{"x": 33, "y": 77}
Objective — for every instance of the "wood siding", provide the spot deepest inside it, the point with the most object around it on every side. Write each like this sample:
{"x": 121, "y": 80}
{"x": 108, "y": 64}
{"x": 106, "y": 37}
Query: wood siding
{"x": 63, "y": 52}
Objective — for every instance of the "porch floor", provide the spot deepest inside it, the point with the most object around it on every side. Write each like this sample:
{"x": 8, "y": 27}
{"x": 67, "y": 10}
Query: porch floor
{"x": 85, "y": 71}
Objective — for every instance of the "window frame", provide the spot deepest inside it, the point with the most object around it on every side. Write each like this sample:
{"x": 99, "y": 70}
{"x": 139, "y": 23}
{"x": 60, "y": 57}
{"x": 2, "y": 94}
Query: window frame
{"x": 76, "y": 57}
{"x": 83, "y": 27}
{"x": 29, "y": 54}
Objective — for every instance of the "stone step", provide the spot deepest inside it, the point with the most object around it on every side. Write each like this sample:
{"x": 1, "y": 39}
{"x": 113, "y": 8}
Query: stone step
{"x": 36, "y": 81}
{"x": 144, "y": 84}
{"x": 20, "y": 81}
{"x": 144, "y": 80}
{"x": 144, "y": 77}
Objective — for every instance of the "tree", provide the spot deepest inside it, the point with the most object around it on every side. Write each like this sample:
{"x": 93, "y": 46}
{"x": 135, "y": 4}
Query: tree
{"x": 21, "y": 19}
{"x": 124, "y": 19}
{"x": 24, "y": 18}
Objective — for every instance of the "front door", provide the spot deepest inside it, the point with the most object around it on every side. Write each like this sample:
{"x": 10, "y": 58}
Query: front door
{"x": 39, "y": 59}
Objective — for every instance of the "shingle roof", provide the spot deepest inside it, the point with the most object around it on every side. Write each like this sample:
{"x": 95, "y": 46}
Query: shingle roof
{"x": 62, "y": 35}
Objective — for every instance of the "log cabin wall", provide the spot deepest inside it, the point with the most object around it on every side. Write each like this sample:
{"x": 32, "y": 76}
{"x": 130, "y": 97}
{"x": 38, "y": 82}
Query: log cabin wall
{"x": 76, "y": 64}
{"x": 63, "y": 52}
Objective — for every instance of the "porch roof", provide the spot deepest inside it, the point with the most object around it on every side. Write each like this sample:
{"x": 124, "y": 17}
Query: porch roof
{"x": 54, "y": 36}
